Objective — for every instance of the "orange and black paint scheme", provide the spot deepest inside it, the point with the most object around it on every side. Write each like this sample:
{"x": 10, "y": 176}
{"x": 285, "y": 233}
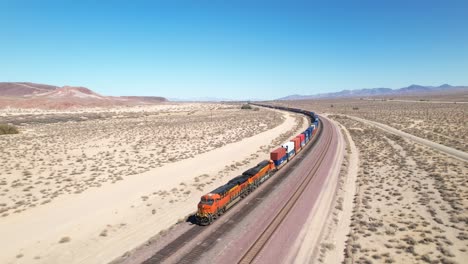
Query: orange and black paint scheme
{"x": 215, "y": 203}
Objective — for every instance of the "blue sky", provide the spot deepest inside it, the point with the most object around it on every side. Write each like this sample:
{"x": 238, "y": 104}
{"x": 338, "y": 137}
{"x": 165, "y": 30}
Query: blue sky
{"x": 233, "y": 49}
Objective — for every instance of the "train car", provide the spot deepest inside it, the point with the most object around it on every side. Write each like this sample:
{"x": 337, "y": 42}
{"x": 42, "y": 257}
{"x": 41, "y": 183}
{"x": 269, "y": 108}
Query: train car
{"x": 297, "y": 144}
{"x": 314, "y": 129}
{"x": 308, "y": 133}
{"x": 306, "y": 136}
{"x": 279, "y": 157}
{"x": 290, "y": 151}
{"x": 302, "y": 139}
{"x": 260, "y": 173}
{"x": 222, "y": 198}
{"x": 216, "y": 202}
{"x": 244, "y": 182}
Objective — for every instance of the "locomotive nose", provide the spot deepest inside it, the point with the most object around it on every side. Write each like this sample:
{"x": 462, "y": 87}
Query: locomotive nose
{"x": 203, "y": 208}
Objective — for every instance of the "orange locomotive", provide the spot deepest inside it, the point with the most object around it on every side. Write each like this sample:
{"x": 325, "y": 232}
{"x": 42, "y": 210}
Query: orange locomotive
{"x": 215, "y": 203}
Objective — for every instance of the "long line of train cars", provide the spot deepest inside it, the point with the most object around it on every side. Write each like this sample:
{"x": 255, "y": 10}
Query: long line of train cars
{"x": 218, "y": 201}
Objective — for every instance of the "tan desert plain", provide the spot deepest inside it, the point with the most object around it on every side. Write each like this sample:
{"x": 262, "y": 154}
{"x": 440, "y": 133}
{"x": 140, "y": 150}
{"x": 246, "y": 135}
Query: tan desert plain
{"x": 88, "y": 184}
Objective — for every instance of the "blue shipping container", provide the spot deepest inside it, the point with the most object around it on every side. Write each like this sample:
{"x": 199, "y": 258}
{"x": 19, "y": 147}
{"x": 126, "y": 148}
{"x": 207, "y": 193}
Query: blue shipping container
{"x": 290, "y": 154}
{"x": 280, "y": 161}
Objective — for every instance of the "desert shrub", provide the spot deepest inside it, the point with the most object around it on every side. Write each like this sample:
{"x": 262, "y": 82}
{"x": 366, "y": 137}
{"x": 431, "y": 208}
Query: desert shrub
{"x": 8, "y": 129}
{"x": 103, "y": 233}
{"x": 64, "y": 240}
{"x": 246, "y": 107}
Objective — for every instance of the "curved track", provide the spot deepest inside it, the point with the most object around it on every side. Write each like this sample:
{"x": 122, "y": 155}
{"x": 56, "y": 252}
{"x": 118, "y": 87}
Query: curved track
{"x": 190, "y": 251}
{"x": 259, "y": 244}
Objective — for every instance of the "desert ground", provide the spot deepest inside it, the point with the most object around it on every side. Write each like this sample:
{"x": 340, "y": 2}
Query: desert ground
{"x": 85, "y": 186}
{"x": 443, "y": 123}
{"x": 410, "y": 204}
{"x": 398, "y": 201}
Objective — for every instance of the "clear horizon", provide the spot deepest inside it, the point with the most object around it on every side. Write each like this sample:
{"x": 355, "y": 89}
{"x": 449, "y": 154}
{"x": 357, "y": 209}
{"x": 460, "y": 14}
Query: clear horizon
{"x": 241, "y": 50}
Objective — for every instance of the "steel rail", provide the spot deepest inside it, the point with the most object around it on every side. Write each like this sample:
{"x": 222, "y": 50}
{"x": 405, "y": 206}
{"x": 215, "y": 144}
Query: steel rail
{"x": 265, "y": 236}
{"x": 192, "y": 256}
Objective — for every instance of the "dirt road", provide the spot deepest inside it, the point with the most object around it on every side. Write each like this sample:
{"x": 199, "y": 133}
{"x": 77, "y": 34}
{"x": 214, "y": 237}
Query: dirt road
{"x": 447, "y": 150}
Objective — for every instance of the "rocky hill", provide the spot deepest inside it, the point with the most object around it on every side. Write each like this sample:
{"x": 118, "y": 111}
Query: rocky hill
{"x": 32, "y": 95}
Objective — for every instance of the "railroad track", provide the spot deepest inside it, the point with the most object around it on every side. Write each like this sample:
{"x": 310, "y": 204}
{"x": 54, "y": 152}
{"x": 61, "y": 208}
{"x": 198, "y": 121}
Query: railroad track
{"x": 164, "y": 254}
{"x": 261, "y": 241}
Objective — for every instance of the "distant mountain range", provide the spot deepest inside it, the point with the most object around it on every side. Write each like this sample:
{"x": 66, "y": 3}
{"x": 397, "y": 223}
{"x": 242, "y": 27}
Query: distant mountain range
{"x": 369, "y": 92}
{"x": 33, "y": 95}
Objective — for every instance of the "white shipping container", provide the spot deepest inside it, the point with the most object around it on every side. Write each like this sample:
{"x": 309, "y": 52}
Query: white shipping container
{"x": 289, "y": 146}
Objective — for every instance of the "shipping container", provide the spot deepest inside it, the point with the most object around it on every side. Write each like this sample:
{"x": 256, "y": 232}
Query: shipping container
{"x": 290, "y": 152}
{"x": 278, "y": 156}
{"x": 306, "y": 137}
{"x": 302, "y": 139}
{"x": 314, "y": 129}
{"x": 289, "y": 146}
{"x": 280, "y": 162}
{"x": 308, "y": 133}
{"x": 277, "y": 153}
{"x": 297, "y": 144}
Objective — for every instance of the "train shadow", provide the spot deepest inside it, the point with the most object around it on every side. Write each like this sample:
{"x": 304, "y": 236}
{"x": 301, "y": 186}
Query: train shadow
{"x": 191, "y": 219}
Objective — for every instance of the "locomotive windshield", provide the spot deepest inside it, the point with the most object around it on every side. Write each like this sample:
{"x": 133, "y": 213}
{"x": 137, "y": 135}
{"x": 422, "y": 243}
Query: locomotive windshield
{"x": 207, "y": 201}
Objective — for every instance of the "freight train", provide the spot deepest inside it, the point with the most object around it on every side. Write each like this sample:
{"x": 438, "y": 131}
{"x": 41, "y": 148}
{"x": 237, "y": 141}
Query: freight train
{"x": 218, "y": 201}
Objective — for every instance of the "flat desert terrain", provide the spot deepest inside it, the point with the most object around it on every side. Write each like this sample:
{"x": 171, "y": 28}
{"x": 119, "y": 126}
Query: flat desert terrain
{"x": 443, "y": 123}
{"x": 411, "y": 203}
{"x": 398, "y": 201}
{"x": 86, "y": 186}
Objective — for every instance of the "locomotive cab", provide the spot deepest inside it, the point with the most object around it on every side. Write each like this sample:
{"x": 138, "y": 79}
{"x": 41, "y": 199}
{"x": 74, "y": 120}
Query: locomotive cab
{"x": 207, "y": 208}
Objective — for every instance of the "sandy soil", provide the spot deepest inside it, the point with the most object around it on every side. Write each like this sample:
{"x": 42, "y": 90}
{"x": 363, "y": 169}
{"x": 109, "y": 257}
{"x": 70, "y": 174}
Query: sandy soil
{"x": 411, "y": 197}
{"x": 102, "y": 222}
{"x": 447, "y": 150}
{"x": 423, "y": 101}
{"x": 332, "y": 243}
{"x": 411, "y": 204}
{"x": 443, "y": 123}
{"x": 65, "y": 153}
{"x": 156, "y": 243}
